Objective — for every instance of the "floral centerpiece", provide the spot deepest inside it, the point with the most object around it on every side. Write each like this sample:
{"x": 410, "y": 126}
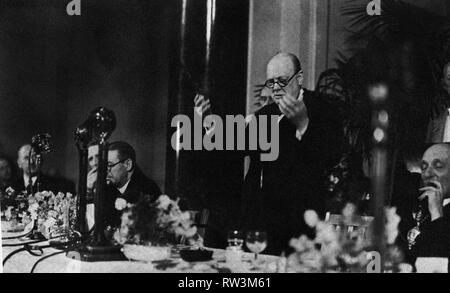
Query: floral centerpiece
{"x": 51, "y": 213}
{"x": 335, "y": 250}
{"x": 13, "y": 207}
{"x": 151, "y": 227}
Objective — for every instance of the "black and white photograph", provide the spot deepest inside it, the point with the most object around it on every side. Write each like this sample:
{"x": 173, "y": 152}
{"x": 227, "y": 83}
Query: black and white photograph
{"x": 225, "y": 136}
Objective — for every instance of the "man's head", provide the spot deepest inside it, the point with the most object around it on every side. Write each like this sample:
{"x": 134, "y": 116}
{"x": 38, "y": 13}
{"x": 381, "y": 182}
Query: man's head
{"x": 23, "y": 160}
{"x": 5, "y": 170}
{"x": 436, "y": 166}
{"x": 121, "y": 163}
{"x": 446, "y": 76}
{"x": 284, "y": 75}
{"x": 93, "y": 156}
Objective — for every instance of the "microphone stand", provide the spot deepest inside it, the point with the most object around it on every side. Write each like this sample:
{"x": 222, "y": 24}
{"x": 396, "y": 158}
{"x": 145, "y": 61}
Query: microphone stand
{"x": 40, "y": 144}
{"x": 82, "y": 138}
{"x": 38, "y": 175}
{"x": 30, "y": 180}
{"x": 101, "y": 123}
{"x": 99, "y": 239}
{"x": 379, "y": 177}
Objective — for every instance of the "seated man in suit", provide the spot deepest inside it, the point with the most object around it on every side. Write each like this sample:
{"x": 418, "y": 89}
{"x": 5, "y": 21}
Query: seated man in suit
{"x": 5, "y": 173}
{"x": 277, "y": 193}
{"x": 125, "y": 179}
{"x": 39, "y": 180}
{"x": 434, "y": 239}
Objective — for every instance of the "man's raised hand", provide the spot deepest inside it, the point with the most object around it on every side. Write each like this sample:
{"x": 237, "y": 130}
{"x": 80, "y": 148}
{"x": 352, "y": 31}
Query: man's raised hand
{"x": 202, "y": 105}
{"x": 295, "y": 110}
{"x": 435, "y": 196}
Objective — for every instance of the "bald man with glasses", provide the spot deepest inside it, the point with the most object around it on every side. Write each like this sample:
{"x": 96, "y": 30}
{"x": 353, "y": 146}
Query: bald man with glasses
{"x": 277, "y": 193}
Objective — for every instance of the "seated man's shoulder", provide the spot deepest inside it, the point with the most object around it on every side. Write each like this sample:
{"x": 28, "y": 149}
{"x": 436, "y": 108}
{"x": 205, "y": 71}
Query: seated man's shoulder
{"x": 146, "y": 185}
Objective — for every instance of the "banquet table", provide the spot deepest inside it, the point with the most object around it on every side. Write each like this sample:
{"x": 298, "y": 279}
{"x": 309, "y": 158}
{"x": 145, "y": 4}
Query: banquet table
{"x": 23, "y": 262}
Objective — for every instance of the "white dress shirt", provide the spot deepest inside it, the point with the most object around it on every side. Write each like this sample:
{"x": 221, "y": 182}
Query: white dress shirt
{"x": 446, "y": 201}
{"x": 124, "y": 187}
{"x": 26, "y": 179}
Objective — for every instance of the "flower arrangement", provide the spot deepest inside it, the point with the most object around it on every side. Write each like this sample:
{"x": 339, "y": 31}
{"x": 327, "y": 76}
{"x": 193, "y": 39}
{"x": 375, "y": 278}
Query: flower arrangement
{"x": 153, "y": 223}
{"x": 50, "y": 212}
{"x": 335, "y": 250}
{"x": 13, "y": 208}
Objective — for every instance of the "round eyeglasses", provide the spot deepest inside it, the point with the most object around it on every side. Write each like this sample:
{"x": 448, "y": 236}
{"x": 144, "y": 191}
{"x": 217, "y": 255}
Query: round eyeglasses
{"x": 282, "y": 82}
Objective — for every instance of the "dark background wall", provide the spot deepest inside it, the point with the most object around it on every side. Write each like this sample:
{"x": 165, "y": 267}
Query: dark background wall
{"x": 55, "y": 68}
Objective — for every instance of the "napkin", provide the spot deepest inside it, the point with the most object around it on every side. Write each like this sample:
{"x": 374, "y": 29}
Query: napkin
{"x": 432, "y": 265}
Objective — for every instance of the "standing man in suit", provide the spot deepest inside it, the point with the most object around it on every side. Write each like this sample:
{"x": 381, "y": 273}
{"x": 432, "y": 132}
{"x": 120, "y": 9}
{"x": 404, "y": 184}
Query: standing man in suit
{"x": 277, "y": 193}
{"x": 125, "y": 179}
{"x": 439, "y": 125}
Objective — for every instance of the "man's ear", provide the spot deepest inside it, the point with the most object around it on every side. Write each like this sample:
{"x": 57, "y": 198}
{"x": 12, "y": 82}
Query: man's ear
{"x": 300, "y": 78}
{"x": 129, "y": 165}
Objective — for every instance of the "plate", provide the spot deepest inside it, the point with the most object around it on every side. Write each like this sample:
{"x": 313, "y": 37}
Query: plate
{"x": 191, "y": 255}
{"x": 146, "y": 253}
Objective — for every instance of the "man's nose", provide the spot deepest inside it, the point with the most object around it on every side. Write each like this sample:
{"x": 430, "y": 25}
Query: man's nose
{"x": 428, "y": 173}
{"x": 276, "y": 87}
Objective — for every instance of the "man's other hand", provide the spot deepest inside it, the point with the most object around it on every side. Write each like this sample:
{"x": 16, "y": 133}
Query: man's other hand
{"x": 295, "y": 110}
{"x": 202, "y": 105}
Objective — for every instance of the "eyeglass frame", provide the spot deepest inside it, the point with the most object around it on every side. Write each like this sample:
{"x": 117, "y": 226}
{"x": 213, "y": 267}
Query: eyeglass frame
{"x": 282, "y": 84}
{"x": 109, "y": 167}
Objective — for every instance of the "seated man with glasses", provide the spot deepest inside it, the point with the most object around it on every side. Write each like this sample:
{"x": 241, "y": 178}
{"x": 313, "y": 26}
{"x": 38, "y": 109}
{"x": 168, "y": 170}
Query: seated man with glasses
{"x": 125, "y": 179}
{"x": 277, "y": 193}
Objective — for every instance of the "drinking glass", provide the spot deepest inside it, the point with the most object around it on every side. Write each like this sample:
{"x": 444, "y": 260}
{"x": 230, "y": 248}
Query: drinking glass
{"x": 256, "y": 242}
{"x": 235, "y": 239}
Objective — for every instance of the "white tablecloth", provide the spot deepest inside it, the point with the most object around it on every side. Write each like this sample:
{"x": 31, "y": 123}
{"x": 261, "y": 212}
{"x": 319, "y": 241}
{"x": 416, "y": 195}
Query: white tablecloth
{"x": 23, "y": 262}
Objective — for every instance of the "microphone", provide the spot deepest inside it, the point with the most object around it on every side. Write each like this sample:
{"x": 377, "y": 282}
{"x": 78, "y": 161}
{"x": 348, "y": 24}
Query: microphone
{"x": 40, "y": 143}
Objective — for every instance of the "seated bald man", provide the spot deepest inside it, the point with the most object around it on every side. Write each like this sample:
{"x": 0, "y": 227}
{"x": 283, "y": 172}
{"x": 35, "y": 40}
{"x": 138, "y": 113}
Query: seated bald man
{"x": 434, "y": 239}
{"x": 277, "y": 193}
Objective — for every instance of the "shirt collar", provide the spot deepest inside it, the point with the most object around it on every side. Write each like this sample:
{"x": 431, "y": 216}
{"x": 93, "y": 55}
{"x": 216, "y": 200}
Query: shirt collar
{"x": 124, "y": 187}
{"x": 26, "y": 179}
{"x": 446, "y": 201}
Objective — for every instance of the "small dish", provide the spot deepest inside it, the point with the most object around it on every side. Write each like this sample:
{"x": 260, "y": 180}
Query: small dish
{"x": 191, "y": 255}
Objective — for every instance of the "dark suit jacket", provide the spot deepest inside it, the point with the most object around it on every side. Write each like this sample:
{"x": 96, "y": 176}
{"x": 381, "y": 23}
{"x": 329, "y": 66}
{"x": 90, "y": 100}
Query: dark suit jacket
{"x": 436, "y": 128}
{"x": 139, "y": 186}
{"x": 46, "y": 183}
{"x": 277, "y": 193}
{"x": 434, "y": 240}
{"x": 405, "y": 199}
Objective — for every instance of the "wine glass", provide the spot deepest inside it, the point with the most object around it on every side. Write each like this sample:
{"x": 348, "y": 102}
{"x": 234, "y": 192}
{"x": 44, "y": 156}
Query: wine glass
{"x": 235, "y": 239}
{"x": 256, "y": 242}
